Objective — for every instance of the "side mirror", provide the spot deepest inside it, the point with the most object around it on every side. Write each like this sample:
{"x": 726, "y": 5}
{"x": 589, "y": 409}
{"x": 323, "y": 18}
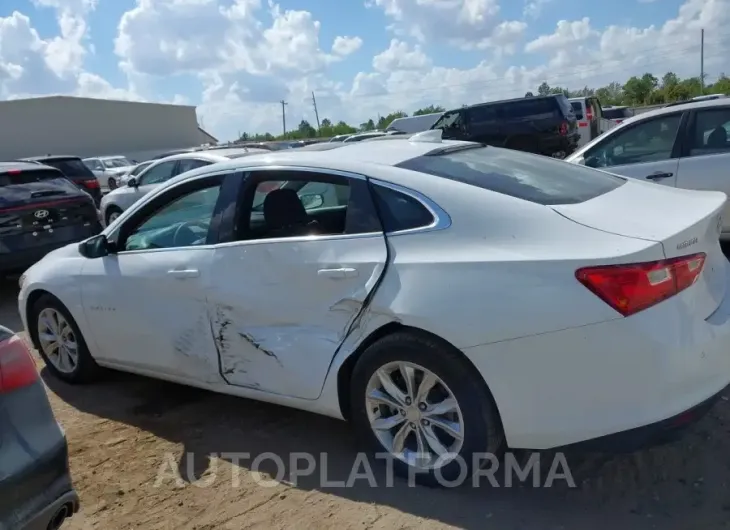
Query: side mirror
{"x": 132, "y": 182}
{"x": 315, "y": 200}
{"x": 95, "y": 247}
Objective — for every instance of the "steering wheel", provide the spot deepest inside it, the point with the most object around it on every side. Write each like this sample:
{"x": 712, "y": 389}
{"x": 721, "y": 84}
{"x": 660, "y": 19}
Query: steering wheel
{"x": 185, "y": 235}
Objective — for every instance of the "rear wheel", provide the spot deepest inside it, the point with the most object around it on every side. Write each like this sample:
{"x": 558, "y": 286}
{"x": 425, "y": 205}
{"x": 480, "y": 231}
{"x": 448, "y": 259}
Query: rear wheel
{"x": 111, "y": 214}
{"x": 60, "y": 342}
{"x": 422, "y": 404}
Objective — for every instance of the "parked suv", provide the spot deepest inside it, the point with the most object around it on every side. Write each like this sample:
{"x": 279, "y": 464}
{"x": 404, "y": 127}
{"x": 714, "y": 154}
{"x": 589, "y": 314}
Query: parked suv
{"x": 544, "y": 125}
{"x": 40, "y": 210}
{"x": 75, "y": 169}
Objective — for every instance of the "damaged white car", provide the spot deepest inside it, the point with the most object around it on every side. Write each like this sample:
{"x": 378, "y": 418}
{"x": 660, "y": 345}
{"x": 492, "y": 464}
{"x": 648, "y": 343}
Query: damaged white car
{"x": 449, "y": 299}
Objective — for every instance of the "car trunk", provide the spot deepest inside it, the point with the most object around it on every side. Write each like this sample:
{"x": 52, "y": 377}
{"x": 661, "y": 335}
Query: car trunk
{"x": 34, "y": 211}
{"x": 683, "y": 222}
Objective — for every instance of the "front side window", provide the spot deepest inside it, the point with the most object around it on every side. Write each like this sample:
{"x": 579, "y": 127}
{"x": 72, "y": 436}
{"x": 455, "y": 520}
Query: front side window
{"x": 293, "y": 204}
{"x": 711, "y": 132}
{"x": 534, "y": 178}
{"x": 190, "y": 164}
{"x": 649, "y": 141}
{"x": 450, "y": 120}
{"x": 94, "y": 165}
{"x": 183, "y": 222}
{"x": 157, "y": 174}
{"x": 140, "y": 168}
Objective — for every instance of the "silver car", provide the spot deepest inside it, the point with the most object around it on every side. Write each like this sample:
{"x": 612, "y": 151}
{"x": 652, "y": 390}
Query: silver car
{"x": 108, "y": 169}
{"x": 160, "y": 171}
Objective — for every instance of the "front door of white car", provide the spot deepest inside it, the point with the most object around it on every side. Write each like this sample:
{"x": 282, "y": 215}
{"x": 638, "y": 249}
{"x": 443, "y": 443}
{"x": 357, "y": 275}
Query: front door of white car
{"x": 705, "y": 161}
{"x": 146, "y": 303}
{"x": 292, "y": 282}
{"x": 646, "y": 150}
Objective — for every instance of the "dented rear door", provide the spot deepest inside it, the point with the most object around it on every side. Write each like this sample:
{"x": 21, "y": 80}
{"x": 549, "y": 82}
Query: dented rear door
{"x": 281, "y": 307}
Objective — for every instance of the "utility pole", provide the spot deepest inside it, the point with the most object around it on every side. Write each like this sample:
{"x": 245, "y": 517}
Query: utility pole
{"x": 316, "y": 114}
{"x": 702, "y": 61}
{"x": 283, "y": 115}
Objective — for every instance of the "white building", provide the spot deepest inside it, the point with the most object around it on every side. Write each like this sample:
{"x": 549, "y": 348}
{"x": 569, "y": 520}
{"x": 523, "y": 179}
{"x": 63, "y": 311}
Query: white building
{"x": 95, "y": 127}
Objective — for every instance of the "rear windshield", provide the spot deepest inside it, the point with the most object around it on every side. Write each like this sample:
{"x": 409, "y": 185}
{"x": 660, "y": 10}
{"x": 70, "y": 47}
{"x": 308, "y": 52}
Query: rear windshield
{"x": 71, "y": 167}
{"x": 613, "y": 114}
{"x": 577, "y": 109}
{"x": 534, "y": 178}
{"x": 27, "y": 177}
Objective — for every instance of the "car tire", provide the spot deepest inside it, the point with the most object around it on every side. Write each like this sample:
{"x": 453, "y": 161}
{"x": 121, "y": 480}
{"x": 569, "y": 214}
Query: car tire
{"x": 112, "y": 183}
{"x": 84, "y": 369}
{"x": 481, "y": 427}
{"x": 111, "y": 211}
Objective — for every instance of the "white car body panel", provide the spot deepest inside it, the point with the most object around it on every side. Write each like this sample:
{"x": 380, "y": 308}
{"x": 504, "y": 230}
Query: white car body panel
{"x": 268, "y": 345}
{"x": 536, "y": 335}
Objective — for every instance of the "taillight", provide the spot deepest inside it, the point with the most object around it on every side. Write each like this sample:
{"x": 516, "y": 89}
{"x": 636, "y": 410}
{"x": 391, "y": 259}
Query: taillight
{"x": 589, "y": 113}
{"x": 17, "y": 368}
{"x": 634, "y": 287}
{"x": 91, "y": 184}
{"x": 564, "y": 128}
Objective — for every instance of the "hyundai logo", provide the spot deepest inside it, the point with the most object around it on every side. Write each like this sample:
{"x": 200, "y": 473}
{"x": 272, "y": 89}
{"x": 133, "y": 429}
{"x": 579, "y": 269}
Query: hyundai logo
{"x": 41, "y": 214}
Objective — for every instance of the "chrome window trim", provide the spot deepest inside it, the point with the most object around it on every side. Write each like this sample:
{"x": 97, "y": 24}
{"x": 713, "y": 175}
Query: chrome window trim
{"x": 441, "y": 219}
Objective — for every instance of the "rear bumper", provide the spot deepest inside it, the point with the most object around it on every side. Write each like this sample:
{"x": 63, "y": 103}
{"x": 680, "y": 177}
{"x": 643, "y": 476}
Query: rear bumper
{"x": 63, "y": 507}
{"x": 580, "y": 384}
{"x": 20, "y": 259}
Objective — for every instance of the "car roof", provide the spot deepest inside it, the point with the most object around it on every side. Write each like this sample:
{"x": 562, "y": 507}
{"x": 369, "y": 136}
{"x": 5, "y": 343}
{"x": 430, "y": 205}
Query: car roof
{"x": 23, "y": 166}
{"x": 679, "y": 107}
{"x": 40, "y": 158}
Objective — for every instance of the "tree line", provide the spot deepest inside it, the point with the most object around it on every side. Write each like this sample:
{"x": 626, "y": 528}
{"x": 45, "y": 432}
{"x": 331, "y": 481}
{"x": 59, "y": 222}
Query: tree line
{"x": 635, "y": 92}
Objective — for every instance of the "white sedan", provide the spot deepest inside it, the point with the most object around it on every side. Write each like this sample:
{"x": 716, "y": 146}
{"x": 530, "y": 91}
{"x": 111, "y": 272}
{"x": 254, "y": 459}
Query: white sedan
{"x": 449, "y": 299}
{"x": 160, "y": 171}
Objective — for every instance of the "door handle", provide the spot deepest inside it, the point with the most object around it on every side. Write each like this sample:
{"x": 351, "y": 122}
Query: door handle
{"x": 337, "y": 274}
{"x": 659, "y": 176}
{"x": 184, "y": 273}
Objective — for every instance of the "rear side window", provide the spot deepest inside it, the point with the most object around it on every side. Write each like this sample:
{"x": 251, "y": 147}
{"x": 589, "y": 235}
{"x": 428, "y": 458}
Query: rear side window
{"x": 400, "y": 211}
{"x": 616, "y": 114}
{"x": 71, "y": 167}
{"x": 533, "y": 108}
{"x": 538, "y": 179}
{"x": 28, "y": 177}
{"x": 577, "y": 109}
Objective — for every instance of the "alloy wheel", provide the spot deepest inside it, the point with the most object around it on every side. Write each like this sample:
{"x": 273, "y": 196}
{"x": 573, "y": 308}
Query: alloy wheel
{"x": 57, "y": 340}
{"x": 414, "y": 415}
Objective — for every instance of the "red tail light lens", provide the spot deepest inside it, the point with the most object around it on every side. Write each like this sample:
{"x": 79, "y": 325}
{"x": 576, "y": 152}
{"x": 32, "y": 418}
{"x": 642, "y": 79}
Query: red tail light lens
{"x": 564, "y": 128}
{"x": 589, "y": 113}
{"x": 17, "y": 368}
{"x": 638, "y": 286}
{"x": 91, "y": 184}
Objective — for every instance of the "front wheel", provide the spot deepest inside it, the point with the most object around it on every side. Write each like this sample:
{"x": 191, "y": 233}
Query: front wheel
{"x": 60, "y": 343}
{"x": 112, "y": 183}
{"x": 420, "y": 404}
{"x": 111, "y": 214}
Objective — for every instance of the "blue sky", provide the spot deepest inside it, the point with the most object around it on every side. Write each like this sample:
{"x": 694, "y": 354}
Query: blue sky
{"x": 235, "y": 66}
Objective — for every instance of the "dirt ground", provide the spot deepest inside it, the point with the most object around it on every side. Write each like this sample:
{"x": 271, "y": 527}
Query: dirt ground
{"x": 129, "y": 436}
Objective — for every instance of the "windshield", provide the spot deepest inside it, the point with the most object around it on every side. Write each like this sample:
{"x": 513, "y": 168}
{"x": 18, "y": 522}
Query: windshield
{"x": 448, "y": 120}
{"x": 534, "y": 178}
{"x": 115, "y": 162}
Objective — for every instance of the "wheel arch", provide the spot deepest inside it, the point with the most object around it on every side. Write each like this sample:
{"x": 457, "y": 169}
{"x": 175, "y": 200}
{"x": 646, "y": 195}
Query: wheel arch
{"x": 345, "y": 371}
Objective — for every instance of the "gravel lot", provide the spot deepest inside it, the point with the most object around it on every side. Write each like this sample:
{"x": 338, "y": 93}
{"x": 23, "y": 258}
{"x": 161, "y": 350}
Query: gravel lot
{"x": 123, "y": 431}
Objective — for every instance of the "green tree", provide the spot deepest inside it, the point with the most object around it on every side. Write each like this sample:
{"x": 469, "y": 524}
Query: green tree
{"x": 431, "y": 109}
{"x": 543, "y": 89}
{"x": 721, "y": 86}
{"x": 384, "y": 121}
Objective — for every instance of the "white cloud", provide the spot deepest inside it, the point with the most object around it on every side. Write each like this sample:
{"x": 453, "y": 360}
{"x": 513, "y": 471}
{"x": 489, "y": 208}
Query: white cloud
{"x": 534, "y": 8}
{"x": 346, "y": 45}
{"x": 400, "y": 56}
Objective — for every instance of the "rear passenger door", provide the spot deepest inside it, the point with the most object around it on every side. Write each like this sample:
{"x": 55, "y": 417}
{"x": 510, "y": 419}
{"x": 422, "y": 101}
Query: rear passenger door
{"x": 705, "y": 161}
{"x": 286, "y": 298}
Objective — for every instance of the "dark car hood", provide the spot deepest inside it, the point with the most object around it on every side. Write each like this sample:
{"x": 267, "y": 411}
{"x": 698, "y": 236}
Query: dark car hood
{"x": 43, "y": 191}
